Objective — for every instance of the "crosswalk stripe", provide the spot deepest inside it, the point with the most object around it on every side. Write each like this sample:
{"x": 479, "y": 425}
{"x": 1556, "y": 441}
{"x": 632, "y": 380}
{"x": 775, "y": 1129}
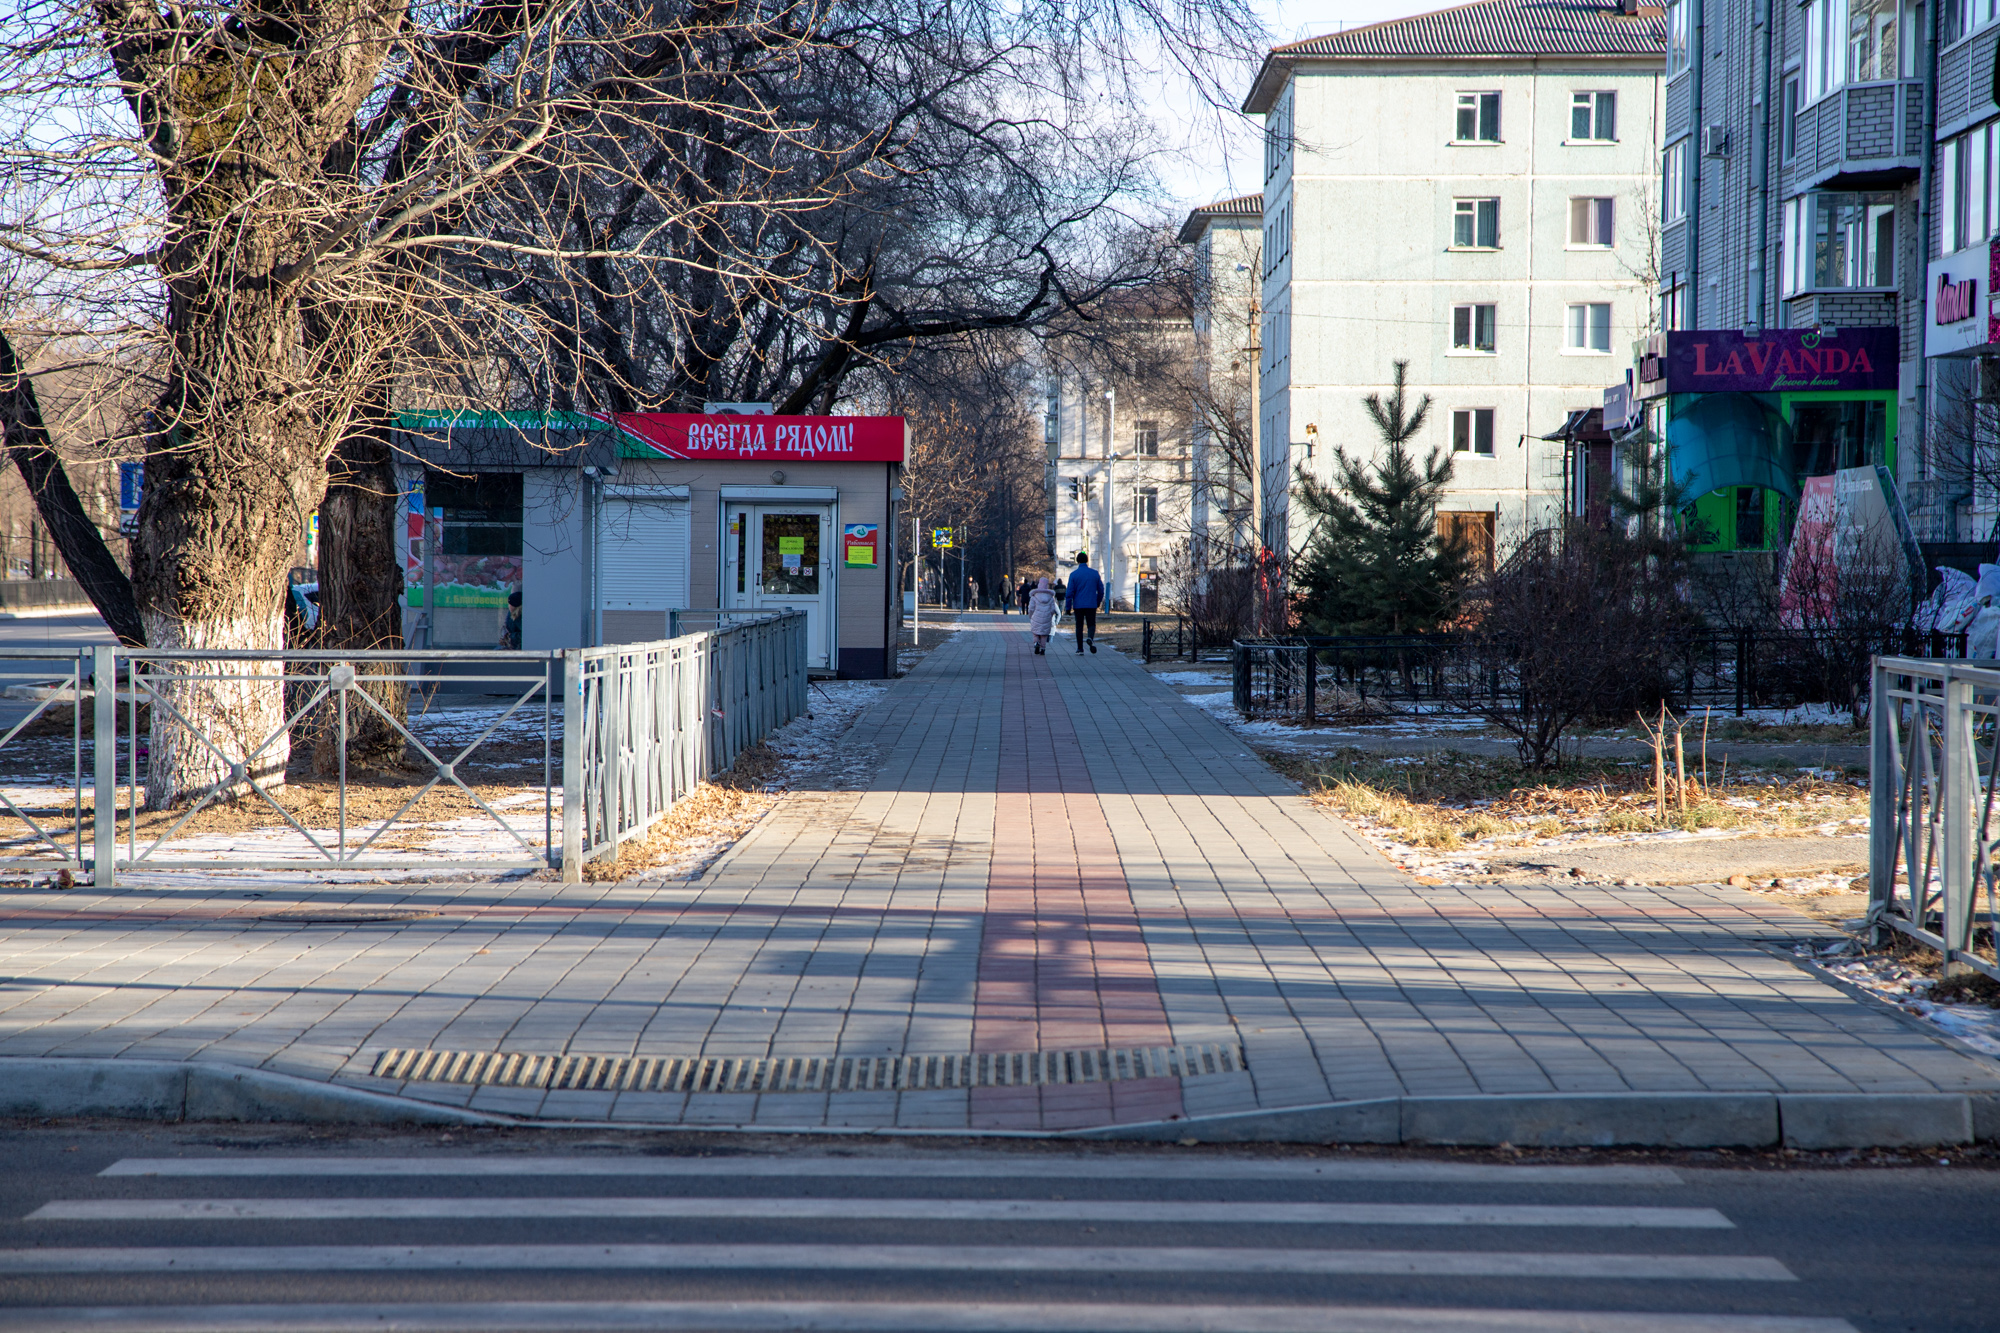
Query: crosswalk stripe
{"x": 1021, "y": 1167}
{"x": 882, "y": 1317}
{"x": 787, "y": 1209}
{"x": 970, "y": 1258}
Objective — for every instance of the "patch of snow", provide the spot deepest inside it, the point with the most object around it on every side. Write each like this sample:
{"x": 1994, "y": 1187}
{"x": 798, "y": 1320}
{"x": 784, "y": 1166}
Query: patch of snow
{"x": 1977, "y": 1025}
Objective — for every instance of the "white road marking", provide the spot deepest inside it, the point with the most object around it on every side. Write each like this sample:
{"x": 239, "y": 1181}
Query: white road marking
{"x": 974, "y": 1258}
{"x": 788, "y": 1209}
{"x": 879, "y": 1317}
{"x": 1010, "y": 1167}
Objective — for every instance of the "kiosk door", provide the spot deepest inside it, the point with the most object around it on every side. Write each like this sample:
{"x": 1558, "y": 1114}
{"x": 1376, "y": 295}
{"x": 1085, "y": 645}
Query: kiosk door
{"x": 776, "y": 558}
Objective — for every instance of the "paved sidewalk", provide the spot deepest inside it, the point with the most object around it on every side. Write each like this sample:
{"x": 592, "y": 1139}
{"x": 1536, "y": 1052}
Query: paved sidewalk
{"x": 1047, "y": 852}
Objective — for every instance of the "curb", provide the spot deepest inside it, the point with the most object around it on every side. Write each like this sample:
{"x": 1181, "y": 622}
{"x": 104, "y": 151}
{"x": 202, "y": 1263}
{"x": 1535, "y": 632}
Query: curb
{"x": 55, "y": 1087}
{"x": 1604, "y": 1120}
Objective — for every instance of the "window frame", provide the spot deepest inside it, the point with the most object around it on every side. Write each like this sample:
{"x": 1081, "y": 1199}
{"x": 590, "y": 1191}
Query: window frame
{"x": 1473, "y": 324}
{"x": 1469, "y": 425}
{"x": 1477, "y": 214}
{"x": 1145, "y": 506}
{"x": 1677, "y": 38}
{"x": 1673, "y": 182}
{"x": 1146, "y": 438}
{"x": 1479, "y": 101}
{"x": 1803, "y": 259}
{"x": 1580, "y": 337}
{"x": 1791, "y": 106}
{"x": 1594, "y": 103}
{"x": 1600, "y": 216}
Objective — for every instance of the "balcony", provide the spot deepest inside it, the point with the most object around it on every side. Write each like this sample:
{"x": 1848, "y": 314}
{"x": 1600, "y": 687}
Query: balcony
{"x": 1866, "y": 136}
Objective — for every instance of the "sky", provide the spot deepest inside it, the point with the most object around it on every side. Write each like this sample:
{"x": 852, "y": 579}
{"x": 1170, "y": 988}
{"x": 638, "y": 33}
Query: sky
{"x": 1218, "y": 155}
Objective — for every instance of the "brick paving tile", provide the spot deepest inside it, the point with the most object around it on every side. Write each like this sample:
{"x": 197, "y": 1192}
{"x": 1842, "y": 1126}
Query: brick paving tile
{"x": 1022, "y": 853}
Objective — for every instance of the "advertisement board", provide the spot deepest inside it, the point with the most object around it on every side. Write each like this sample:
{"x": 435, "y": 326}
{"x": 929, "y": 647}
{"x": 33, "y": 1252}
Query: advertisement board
{"x": 763, "y": 438}
{"x": 1958, "y": 303}
{"x": 1781, "y": 360}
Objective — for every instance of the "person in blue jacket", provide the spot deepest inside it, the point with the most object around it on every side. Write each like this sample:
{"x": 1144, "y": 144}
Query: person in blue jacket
{"x": 1085, "y": 594}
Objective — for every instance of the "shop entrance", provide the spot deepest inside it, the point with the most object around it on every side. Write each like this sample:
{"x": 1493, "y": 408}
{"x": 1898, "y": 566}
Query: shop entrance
{"x": 775, "y": 557}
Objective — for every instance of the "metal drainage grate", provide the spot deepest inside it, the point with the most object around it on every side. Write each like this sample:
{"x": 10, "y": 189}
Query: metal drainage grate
{"x": 841, "y": 1073}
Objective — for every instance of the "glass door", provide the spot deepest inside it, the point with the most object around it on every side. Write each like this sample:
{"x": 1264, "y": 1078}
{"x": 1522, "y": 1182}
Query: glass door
{"x": 774, "y": 558}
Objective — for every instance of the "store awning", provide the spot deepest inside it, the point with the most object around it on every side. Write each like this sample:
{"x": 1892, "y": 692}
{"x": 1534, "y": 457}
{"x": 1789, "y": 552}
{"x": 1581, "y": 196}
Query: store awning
{"x": 1727, "y": 439}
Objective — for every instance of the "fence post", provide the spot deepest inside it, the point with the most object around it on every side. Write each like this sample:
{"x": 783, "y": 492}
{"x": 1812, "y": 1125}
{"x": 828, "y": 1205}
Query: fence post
{"x": 1742, "y": 667}
{"x": 1884, "y": 786}
{"x": 1312, "y": 685}
{"x": 104, "y": 764}
{"x": 1961, "y": 783}
{"x": 572, "y": 767}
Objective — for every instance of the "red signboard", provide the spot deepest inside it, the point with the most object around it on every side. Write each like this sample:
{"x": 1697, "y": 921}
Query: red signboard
{"x": 773, "y": 439}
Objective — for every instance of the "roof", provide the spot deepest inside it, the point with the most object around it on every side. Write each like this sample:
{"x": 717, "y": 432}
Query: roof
{"x": 1242, "y": 206}
{"x": 1484, "y": 28}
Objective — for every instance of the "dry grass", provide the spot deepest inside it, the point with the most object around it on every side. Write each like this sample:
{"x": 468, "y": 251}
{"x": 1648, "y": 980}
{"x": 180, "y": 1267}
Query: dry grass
{"x": 1445, "y": 801}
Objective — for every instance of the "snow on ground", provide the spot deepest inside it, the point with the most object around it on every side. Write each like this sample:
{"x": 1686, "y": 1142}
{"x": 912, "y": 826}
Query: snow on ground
{"x": 812, "y": 745}
{"x": 1977, "y": 1025}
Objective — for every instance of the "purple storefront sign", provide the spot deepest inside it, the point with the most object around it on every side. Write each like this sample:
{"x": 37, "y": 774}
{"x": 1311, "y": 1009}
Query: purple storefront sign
{"x": 1730, "y": 361}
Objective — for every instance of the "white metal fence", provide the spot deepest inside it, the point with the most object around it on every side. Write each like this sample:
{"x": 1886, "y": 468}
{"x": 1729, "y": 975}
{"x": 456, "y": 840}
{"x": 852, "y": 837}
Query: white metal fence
{"x": 507, "y": 760}
{"x": 1932, "y": 827}
{"x": 645, "y": 722}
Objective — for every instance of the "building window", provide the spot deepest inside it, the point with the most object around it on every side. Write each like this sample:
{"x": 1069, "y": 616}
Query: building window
{"x": 1971, "y": 188}
{"x": 1673, "y": 182}
{"x": 1146, "y": 439}
{"x": 1146, "y": 505}
{"x": 1593, "y": 117}
{"x": 1825, "y": 47}
{"x": 1861, "y": 41}
{"x": 1590, "y": 222}
{"x": 1587, "y": 327}
{"x": 1478, "y": 118}
{"x": 1277, "y": 136}
{"x": 1475, "y": 224}
{"x": 1673, "y": 307}
{"x": 1788, "y": 125}
{"x": 1677, "y": 37}
{"x": 1472, "y": 327}
{"x": 1838, "y": 240}
{"x": 1472, "y": 431}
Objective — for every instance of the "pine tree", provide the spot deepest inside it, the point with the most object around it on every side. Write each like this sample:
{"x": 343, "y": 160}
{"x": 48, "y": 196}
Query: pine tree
{"x": 1374, "y": 563}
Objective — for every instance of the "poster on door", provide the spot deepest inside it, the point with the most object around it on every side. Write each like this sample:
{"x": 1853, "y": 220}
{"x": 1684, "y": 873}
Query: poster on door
{"x": 857, "y": 541}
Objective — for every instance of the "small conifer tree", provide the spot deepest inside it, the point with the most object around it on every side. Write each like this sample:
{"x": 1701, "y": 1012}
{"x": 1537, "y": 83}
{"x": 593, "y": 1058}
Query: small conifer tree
{"x": 1373, "y": 562}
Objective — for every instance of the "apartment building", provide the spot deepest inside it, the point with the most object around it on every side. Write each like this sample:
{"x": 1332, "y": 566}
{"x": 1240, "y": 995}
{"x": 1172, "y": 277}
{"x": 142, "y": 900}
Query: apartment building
{"x": 1119, "y": 456}
{"x": 1473, "y": 191}
{"x": 1795, "y": 237}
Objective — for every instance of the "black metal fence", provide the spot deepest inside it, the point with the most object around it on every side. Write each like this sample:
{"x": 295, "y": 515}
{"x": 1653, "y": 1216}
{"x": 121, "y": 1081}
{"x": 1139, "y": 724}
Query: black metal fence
{"x": 1312, "y": 676}
{"x": 1182, "y": 641}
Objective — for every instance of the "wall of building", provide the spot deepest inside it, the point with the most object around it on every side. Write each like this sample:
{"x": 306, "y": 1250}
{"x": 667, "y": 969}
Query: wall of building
{"x": 1366, "y": 274}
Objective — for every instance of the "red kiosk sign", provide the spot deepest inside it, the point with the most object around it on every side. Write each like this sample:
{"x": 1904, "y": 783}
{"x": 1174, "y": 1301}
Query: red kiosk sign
{"x": 693, "y": 435}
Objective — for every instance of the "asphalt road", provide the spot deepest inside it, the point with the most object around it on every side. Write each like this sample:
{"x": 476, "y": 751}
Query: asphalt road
{"x": 192, "y": 1227}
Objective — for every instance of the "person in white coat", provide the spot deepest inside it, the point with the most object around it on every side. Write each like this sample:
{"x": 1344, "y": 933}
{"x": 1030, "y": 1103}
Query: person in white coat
{"x": 1042, "y": 614}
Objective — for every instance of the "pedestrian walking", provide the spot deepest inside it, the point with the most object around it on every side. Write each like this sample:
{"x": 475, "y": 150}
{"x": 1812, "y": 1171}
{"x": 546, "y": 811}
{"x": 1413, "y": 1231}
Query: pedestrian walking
{"x": 1041, "y": 607}
{"x": 1026, "y": 590}
{"x": 1083, "y": 598}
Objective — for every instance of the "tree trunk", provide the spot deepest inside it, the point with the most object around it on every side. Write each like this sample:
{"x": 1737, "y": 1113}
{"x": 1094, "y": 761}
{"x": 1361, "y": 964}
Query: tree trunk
{"x": 228, "y": 494}
{"x": 360, "y": 587}
{"x": 75, "y": 536}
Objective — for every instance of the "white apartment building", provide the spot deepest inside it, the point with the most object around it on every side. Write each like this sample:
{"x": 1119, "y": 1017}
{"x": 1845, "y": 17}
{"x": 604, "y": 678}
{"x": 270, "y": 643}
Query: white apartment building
{"x": 1118, "y": 471}
{"x": 1473, "y": 191}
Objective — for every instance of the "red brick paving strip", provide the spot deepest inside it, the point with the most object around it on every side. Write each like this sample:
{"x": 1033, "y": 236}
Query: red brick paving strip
{"x": 1062, "y": 964}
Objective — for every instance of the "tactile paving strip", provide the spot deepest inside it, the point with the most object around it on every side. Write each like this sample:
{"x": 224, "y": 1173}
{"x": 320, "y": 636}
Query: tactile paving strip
{"x": 799, "y": 1073}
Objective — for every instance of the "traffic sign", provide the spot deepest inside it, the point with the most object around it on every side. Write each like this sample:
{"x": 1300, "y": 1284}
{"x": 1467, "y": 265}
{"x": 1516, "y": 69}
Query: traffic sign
{"x": 941, "y": 537}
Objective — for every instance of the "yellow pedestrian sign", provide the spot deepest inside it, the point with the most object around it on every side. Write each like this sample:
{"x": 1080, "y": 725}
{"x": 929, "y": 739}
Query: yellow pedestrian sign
{"x": 941, "y": 538}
